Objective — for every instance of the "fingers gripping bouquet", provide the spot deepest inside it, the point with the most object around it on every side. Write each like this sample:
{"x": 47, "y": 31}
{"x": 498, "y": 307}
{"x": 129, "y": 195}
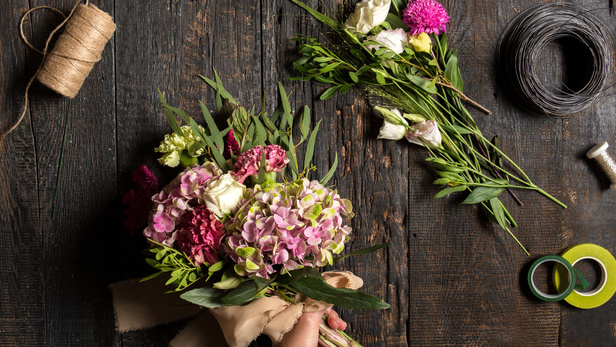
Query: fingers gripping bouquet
{"x": 242, "y": 228}
{"x": 396, "y": 50}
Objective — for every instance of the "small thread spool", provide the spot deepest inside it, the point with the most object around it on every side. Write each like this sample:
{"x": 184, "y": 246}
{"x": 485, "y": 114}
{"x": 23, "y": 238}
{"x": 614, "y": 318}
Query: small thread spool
{"x": 77, "y": 50}
{"x": 599, "y": 153}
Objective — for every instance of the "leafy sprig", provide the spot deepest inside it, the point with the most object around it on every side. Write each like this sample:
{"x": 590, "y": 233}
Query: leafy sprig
{"x": 428, "y": 84}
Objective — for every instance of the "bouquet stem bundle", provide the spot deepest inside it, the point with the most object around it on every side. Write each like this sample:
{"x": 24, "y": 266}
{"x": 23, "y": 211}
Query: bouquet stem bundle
{"x": 407, "y": 63}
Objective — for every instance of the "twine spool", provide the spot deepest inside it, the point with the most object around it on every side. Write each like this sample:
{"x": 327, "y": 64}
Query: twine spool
{"x": 77, "y": 50}
{"x": 599, "y": 153}
{"x": 79, "y": 47}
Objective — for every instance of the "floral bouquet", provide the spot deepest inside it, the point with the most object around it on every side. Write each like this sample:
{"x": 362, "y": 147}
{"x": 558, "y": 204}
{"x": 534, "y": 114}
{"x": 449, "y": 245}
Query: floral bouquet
{"x": 397, "y": 51}
{"x": 242, "y": 227}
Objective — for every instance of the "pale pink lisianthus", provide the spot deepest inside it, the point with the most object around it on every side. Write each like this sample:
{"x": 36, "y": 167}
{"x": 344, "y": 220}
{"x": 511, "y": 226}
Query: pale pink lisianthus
{"x": 425, "y": 133}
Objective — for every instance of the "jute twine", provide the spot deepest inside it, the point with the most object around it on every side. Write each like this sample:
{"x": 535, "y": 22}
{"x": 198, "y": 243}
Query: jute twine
{"x": 87, "y": 29}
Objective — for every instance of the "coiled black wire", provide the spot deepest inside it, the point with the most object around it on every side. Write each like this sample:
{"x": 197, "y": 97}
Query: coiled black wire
{"x": 525, "y": 40}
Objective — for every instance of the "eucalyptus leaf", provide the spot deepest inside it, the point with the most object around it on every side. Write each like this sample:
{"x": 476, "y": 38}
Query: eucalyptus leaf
{"x": 311, "y": 144}
{"x": 331, "y": 171}
{"x": 218, "y": 140}
{"x": 329, "y": 92}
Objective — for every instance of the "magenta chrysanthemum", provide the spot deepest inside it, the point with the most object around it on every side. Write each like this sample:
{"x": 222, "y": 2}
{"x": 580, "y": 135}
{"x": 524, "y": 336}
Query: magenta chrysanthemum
{"x": 199, "y": 236}
{"x": 426, "y": 16}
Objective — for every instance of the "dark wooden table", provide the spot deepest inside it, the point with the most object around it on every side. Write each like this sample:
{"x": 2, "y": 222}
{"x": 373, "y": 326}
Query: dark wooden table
{"x": 451, "y": 278}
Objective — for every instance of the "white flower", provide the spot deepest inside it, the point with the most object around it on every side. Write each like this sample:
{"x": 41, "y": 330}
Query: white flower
{"x": 222, "y": 195}
{"x": 368, "y": 14}
{"x": 391, "y": 131}
{"x": 395, "y": 40}
{"x": 425, "y": 133}
{"x": 394, "y": 126}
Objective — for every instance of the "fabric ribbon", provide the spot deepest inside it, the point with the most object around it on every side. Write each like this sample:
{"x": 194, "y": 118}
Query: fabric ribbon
{"x": 140, "y": 305}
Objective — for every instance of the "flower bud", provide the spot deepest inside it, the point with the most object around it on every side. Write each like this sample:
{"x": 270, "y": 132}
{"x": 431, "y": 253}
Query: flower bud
{"x": 421, "y": 43}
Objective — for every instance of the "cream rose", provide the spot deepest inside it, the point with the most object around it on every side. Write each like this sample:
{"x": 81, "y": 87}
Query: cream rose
{"x": 368, "y": 14}
{"x": 222, "y": 195}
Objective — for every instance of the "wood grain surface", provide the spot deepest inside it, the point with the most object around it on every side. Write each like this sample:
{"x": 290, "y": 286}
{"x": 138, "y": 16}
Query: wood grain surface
{"x": 451, "y": 278}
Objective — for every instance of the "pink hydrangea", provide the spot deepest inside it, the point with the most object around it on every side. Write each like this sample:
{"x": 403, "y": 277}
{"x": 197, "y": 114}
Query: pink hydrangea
{"x": 286, "y": 226}
{"x": 248, "y": 162}
{"x": 427, "y": 16}
{"x": 199, "y": 236}
{"x": 183, "y": 194}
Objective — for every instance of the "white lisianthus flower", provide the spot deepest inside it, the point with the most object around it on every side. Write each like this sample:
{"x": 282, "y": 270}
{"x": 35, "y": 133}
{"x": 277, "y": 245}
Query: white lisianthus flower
{"x": 222, "y": 195}
{"x": 425, "y": 133}
{"x": 368, "y": 14}
{"x": 395, "y": 40}
{"x": 394, "y": 125}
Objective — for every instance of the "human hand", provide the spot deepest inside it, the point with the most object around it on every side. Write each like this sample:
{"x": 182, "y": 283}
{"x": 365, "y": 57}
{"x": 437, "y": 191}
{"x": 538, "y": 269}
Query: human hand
{"x": 305, "y": 333}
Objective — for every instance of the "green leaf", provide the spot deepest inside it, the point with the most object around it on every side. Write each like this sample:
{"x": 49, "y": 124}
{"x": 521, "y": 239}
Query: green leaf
{"x": 396, "y": 22}
{"x": 422, "y": 83}
{"x": 329, "y": 68}
{"x": 481, "y": 194}
{"x": 331, "y": 171}
{"x": 218, "y": 140}
{"x": 295, "y": 275}
{"x": 292, "y": 164}
{"x": 452, "y": 71}
{"x": 304, "y": 127}
{"x": 380, "y": 79}
{"x": 364, "y": 251}
{"x": 169, "y": 115}
{"x": 147, "y": 278}
{"x": 241, "y": 295}
{"x": 287, "y": 118}
{"x": 260, "y": 131}
{"x": 499, "y": 213}
{"x": 318, "y": 289}
{"x": 353, "y": 76}
{"x": 329, "y": 92}
{"x": 311, "y": 144}
{"x": 450, "y": 190}
{"x": 318, "y": 15}
{"x": 217, "y": 86}
{"x": 205, "y": 296}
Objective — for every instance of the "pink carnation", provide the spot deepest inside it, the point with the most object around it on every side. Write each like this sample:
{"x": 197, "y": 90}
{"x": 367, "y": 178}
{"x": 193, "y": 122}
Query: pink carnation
{"x": 425, "y": 16}
{"x": 199, "y": 236}
{"x": 248, "y": 163}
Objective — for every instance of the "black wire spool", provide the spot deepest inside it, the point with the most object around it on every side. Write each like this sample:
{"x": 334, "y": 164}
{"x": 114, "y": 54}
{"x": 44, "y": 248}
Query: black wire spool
{"x": 524, "y": 43}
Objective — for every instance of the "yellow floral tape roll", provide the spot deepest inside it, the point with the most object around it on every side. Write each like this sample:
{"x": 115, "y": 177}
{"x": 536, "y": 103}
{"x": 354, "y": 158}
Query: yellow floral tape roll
{"x": 607, "y": 285}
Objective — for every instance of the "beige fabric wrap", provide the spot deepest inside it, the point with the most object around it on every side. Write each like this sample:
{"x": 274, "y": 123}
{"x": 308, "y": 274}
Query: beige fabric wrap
{"x": 141, "y": 305}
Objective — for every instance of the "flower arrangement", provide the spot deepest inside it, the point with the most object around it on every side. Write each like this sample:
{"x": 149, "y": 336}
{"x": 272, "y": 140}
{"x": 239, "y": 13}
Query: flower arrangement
{"x": 396, "y": 50}
{"x": 241, "y": 221}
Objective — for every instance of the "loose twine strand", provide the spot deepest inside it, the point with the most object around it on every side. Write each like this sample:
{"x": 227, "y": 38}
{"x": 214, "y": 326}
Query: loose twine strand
{"x": 78, "y": 48}
{"x": 524, "y": 42}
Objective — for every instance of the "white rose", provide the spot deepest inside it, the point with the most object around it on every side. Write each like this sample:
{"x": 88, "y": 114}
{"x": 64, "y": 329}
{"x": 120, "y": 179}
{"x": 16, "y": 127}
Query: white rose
{"x": 425, "y": 133}
{"x": 222, "y": 195}
{"x": 368, "y": 14}
{"x": 395, "y": 40}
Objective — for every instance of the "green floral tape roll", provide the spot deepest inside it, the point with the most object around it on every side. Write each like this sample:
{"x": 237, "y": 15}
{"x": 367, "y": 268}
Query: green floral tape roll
{"x": 607, "y": 285}
{"x": 566, "y": 266}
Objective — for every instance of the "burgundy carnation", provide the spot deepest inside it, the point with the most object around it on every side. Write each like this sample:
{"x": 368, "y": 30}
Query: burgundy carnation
{"x": 247, "y": 163}
{"x": 199, "y": 235}
{"x": 138, "y": 201}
